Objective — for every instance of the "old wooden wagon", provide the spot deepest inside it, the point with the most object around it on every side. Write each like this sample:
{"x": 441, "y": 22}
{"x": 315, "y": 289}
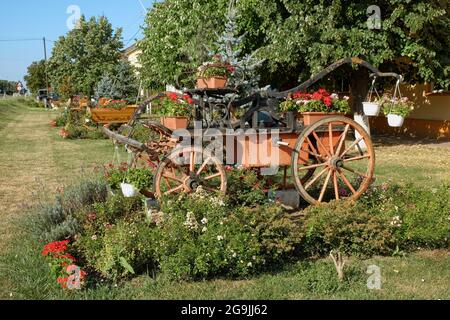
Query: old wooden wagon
{"x": 332, "y": 158}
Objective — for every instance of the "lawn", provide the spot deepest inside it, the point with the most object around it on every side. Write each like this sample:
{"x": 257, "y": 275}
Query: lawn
{"x": 34, "y": 158}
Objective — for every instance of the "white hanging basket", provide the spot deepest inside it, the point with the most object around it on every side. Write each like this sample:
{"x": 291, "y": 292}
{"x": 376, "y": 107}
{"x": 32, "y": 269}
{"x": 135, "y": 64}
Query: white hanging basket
{"x": 395, "y": 120}
{"x": 371, "y": 108}
{"x": 128, "y": 190}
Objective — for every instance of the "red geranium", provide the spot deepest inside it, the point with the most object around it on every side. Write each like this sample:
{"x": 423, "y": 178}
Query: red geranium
{"x": 57, "y": 247}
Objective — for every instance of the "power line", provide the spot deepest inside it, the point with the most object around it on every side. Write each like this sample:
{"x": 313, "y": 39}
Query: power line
{"x": 24, "y": 40}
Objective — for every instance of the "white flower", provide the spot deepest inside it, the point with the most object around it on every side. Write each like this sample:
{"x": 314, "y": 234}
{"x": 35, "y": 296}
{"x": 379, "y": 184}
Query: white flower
{"x": 254, "y": 257}
{"x": 204, "y": 221}
{"x": 249, "y": 264}
{"x": 234, "y": 255}
{"x": 94, "y": 237}
{"x": 191, "y": 222}
{"x": 346, "y": 97}
{"x": 219, "y": 238}
{"x": 204, "y": 229}
{"x": 334, "y": 96}
{"x": 396, "y": 221}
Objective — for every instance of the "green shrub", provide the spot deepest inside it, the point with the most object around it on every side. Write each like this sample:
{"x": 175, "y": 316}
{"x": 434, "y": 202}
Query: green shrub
{"x": 201, "y": 237}
{"x": 421, "y": 215}
{"x": 348, "y": 227}
{"x": 114, "y": 237}
{"x": 245, "y": 187}
{"x": 57, "y": 221}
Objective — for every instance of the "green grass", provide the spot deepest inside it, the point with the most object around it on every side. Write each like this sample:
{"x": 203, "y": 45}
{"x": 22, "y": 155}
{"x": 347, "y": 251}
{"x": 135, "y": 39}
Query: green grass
{"x": 33, "y": 157}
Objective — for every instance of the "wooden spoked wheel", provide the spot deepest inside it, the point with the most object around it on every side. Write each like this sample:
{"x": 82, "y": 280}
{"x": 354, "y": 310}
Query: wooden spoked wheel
{"x": 158, "y": 142}
{"x": 188, "y": 168}
{"x": 344, "y": 160}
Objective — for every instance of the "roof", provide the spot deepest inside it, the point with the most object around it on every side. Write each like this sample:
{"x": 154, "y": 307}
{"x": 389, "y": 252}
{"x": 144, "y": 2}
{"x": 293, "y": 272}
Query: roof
{"x": 130, "y": 49}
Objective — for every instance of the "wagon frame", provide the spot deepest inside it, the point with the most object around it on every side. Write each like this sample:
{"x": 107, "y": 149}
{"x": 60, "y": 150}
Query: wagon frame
{"x": 323, "y": 153}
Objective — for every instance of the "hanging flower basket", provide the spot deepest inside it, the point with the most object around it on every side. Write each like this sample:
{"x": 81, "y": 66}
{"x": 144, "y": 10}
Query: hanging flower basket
{"x": 395, "y": 120}
{"x": 128, "y": 190}
{"x": 371, "y": 108}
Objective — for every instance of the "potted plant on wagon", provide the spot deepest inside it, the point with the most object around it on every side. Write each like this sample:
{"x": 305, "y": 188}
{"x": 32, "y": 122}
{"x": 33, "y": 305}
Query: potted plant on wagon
{"x": 315, "y": 106}
{"x": 130, "y": 180}
{"x": 396, "y": 110}
{"x": 175, "y": 110}
{"x": 214, "y": 74}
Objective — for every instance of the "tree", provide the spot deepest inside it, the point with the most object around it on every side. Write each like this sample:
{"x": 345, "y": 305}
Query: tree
{"x": 299, "y": 38}
{"x": 8, "y": 87}
{"x": 229, "y": 47}
{"x": 120, "y": 84}
{"x": 85, "y": 54}
{"x": 414, "y": 39}
{"x": 35, "y": 78}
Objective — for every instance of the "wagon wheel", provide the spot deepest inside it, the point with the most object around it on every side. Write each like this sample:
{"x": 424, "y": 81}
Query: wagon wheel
{"x": 342, "y": 161}
{"x": 159, "y": 142}
{"x": 187, "y": 168}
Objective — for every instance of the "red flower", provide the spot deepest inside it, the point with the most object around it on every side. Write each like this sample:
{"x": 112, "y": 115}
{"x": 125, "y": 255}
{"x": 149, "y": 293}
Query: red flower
{"x": 173, "y": 96}
{"x": 56, "y": 247}
{"x": 328, "y": 101}
{"x": 188, "y": 99}
{"x": 317, "y": 96}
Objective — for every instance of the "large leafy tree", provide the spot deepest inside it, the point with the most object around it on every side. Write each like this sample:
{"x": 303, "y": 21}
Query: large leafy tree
{"x": 84, "y": 55}
{"x": 413, "y": 39}
{"x": 36, "y": 76}
{"x": 299, "y": 38}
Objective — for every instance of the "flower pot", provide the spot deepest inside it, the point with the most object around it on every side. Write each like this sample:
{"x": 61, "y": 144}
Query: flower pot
{"x": 128, "y": 190}
{"x": 175, "y": 123}
{"x": 310, "y": 118}
{"x": 211, "y": 83}
{"x": 395, "y": 120}
{"x": 371, "y": 108}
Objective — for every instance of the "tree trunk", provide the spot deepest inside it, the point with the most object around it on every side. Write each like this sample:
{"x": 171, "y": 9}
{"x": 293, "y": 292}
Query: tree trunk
{"x": 359, "y": 87}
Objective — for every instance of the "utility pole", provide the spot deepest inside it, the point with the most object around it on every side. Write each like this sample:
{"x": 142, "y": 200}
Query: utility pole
{"x": 45, "y": 64}
{"x": 46, "y": 75}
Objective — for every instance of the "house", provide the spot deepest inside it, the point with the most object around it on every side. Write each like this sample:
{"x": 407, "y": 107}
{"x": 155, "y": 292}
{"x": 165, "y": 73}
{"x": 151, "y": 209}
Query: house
{"x": 132, "y": 55}
{"x": 430, "y": 118}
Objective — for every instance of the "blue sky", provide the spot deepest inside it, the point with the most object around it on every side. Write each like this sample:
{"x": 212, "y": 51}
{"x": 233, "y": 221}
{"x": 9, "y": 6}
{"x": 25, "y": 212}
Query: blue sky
{"x": 34, "y": 19}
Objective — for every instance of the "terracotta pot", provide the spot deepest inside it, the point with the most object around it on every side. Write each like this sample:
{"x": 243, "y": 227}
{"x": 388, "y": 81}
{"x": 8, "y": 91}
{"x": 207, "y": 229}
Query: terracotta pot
{"x": 310, "y": 118}
{"x": 211, "y": 83}
{"x": 174, "y": 123}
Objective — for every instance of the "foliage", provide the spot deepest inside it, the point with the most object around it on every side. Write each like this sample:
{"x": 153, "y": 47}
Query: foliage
{"x": 242, "y": 69}
{"x": 84, "y": 55}
{"x": 74, "y": 126}
{"x": 35, "y": 78}
{"x": 347, "y": 227}
{"x": 8, "y": 87}
{"x": 299, "y": 38}
{"x": 399, "y": 106}
{"x": 199, "y": 237}
{"x": 120, "y": 84}
{"x": 62, "y": 265}
{"x": 215, "y": 68}
{"x": 115, "y": 240}
{"x": 56, "y": 221}
{"x": 421, "y": 216}
{"x": 177, "y": 35}
{"x": 175, "y": 106}
{"x": 247, "y": 188}
{"x": 140, "y": 178}
{"x": 319, "y": 101}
